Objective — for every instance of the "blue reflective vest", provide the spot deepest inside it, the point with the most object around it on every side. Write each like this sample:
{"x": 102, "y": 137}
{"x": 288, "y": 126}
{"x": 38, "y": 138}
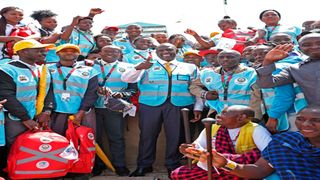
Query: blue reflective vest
{"x": 154, "y": 85}
{"x": 181, "y": 51}
{"x": 114, "y": 81}
{"x": 134, "y": 58}
{"x": 293, "y": 31}
{"x": 68, "y": 99}
{"x": 51, "y": 56}
{"x": 239, "y": 90}
{"x": 5, "y": 60}
{"x": 2, "y": 132}
{"x": 84, "y": 40}
{"x": 26, "y": 87}
{"x": 124, "y": 44}
{"x": 269, "y": 93}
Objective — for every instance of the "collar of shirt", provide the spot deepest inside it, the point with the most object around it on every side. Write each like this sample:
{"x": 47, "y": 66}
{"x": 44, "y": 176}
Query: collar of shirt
{"x": 173, "y": 62}
{"x": 33, "y": 67}
{"x": 106, "y": 63}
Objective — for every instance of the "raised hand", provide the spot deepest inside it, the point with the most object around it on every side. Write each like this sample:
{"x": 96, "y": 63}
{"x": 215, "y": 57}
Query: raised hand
{"x": 278, "y": 53}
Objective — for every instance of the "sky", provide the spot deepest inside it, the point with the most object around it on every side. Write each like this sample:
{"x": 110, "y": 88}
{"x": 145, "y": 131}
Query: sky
{"x": 199, "y": 15}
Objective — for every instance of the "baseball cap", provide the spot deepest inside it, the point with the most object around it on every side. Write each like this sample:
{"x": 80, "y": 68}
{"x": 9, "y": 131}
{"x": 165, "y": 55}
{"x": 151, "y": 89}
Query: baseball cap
{"x": 29, "y": 44}
{"x": 68, "y": 46}
{"x": 113, "y": 28}
{"x": 208, "y": 51}
{"x": 191, "y": 52}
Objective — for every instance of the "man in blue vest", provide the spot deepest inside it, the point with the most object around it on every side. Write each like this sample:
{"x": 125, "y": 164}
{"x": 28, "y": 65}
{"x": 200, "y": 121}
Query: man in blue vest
{"x": 75, "y": 89}
{"x": 164, "y": 88}
{"x": 19, "y": 81}
{"x": 111, "y": 120}
{"x": 125, "y": 43}
{"x": 233, "y": 82}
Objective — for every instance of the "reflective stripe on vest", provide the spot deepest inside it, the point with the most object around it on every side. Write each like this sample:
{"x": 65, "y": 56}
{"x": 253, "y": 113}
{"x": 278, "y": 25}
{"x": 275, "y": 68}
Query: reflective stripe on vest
{"x": 114, "y": 81}
{"x": 2, "y": 131}
{"x": 155, "y": 84}
{"x": 76, "y": 86}
{"x": 239, "y": 91}
{"x": 26, "y": 87}
{"x": 300, "y": 101}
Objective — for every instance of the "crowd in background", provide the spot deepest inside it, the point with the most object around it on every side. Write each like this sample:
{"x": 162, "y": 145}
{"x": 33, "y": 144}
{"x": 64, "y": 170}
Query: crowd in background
{"x": 261, "y": 84}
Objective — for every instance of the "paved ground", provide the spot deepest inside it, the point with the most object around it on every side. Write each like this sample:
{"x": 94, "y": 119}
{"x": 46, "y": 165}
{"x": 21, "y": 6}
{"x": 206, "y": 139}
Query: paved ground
{"x": 157, "y": 174}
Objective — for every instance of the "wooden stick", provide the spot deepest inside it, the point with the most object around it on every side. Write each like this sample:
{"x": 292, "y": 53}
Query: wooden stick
{"x": 207, "y": 124}
{"x": 185, "y": 116}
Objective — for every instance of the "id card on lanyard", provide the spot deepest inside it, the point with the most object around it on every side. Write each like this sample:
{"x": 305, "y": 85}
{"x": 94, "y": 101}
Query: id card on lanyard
{"x": 65, "y": 96}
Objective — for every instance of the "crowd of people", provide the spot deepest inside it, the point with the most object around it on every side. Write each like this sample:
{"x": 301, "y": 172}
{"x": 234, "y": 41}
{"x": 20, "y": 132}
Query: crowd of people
{"x": 260, "y": 84}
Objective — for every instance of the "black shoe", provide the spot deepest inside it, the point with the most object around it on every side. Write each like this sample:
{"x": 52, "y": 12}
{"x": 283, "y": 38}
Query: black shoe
{"x": 122, "y": 171}
{"x": 141, "y": 171}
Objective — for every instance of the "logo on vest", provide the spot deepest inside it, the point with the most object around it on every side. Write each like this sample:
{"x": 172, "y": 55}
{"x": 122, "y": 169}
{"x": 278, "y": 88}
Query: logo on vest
{"x": 157, "y": 68}
{"x": 208, "y": 80}
{"x": 241, "y": 81}
{"x": 45, "y": 147}
{"x": 23, "y": 79}
{"x": 122, "y": 47}
{"x": 85, "y": 74}
{"x": 90, "y": 136}
{"x": 45, "y": 139}
{"x": 136, "y": 57}
{"x": 121, "y": 70}
{"x": 42, "y": 164}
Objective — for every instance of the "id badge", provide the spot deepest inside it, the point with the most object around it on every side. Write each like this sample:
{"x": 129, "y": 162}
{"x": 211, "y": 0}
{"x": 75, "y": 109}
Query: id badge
{"x": 65, "y": 97}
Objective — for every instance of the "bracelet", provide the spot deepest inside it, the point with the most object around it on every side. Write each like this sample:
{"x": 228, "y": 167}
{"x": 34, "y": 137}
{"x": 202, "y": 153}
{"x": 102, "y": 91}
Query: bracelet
{"x": 203, "y": 94}
{"x": 230, "y": 166}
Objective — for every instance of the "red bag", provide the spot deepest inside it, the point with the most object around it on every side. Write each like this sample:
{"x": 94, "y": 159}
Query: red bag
{"x": 83, "y": 139}
{"x": 23, "y": 31}
{"x": 40, "y": 155}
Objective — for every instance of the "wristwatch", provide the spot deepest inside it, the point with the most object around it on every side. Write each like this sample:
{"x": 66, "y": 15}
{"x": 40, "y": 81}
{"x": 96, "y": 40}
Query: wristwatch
{"x": 230, "y": 166}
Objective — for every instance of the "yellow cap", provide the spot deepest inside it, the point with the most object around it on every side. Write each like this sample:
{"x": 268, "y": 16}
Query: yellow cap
{"x": 191, "y": 52}
{"x": 28, "y": 44}
{"x": 68, "y": 46}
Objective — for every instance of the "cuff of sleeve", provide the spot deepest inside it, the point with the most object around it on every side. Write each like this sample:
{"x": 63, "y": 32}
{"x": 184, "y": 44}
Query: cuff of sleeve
{"x": 267, "y": 70}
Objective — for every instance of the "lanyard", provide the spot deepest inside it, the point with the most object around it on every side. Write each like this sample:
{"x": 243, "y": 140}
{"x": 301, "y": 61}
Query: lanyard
{"x": 106, "y": 77}
{"x": 65, "y": 79}
{"x": 271, "y": 31}
{"x": 147, "y": 59}
{"x": 79, "y": 32}
{"x": 35, "y": 77}
{"x": 225, "y": 85}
